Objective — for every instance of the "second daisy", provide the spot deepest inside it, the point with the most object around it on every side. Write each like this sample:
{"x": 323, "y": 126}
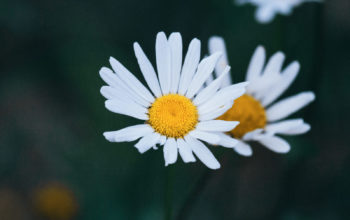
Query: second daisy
{"x": 260, "y": 120}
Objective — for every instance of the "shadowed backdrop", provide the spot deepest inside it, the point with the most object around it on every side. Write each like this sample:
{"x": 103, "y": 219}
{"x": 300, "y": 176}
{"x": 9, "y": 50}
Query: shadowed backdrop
{"x": 54, "y": 157}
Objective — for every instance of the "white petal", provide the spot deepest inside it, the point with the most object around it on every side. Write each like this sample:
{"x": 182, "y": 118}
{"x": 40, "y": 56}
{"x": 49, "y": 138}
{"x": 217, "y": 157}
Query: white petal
{"x": 130, "y": 109}
{"x": 269, "y": 78}
{"x": 205, "y": 136}
{"x": 301, "y": 129}
{"x": 211, "y": 89}
{"x": 256, "y": 64}
{"x": 205, "y": 68}
{"x": 162, "y": 140}
{"x": 147, "y": 70}
{"x": 288, "y": 76}
{"x": 109, "y": 77}
{"x": 114, "y": 81}
{"x": 209, "y": 80}
{"x": 252, "y": 134}
{"x": 227, "y": 141}
{"x": 217, "y": 44}
{"x": 130, "y": 80}
{"x": 202, "y": 87}
{"x": 185, "y": 151}
{"x": 286, "y": 9}
{"x": 223, "y": 96}
{"x": 265, "y": 14}
{"x": 217, "y": 125}
{"x": 288, "y": 127}
{"x": 129, "y": 133}
{"x": 190, "y": 65}
{"x": 216, "y": 113}
{"x": 121, "y": 95}
{"x": 289, "y": 105}
{"x": 259, "y": 87}
{"x": 203, "y": 153}
{"x": 283, "y": 125}
{"x": 147, "y": 142}
{"x": 274, "y": 65}
{"x": 175, "y": 42}
{"x": 243, "y": 149}
{"x": 274, "y": 143}
{"x": 117, "y": 93}
{"x": 163, "y": 56}
{"x": 108, "y": 92}
{"x": 170, "y": 151}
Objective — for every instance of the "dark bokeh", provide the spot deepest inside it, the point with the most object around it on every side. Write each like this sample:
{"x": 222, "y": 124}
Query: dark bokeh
{"x": 52, "y": 116}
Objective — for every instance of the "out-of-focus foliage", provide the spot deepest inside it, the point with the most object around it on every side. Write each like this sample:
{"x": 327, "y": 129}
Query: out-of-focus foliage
{"x": 52, "y": 115}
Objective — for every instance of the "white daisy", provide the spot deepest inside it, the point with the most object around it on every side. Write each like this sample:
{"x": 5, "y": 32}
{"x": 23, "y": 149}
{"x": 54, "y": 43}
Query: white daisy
{"x": 261, "y": 119}
{"x": 177, "y": 111}
{"x": 267, "y": 9}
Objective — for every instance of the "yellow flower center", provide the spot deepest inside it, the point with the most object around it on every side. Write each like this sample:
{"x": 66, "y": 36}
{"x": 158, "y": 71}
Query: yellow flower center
{"x": 249, "y": 112}
{"x": 56, "y": 202}
{"x": 173, "y": 115}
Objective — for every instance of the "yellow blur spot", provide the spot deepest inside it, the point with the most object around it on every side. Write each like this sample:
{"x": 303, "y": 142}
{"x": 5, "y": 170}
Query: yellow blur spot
{"x": 56, "y": 202}
{"x": 249, "y": 112}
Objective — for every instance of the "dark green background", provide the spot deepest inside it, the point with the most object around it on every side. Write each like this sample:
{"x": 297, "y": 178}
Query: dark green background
{"x": 52, "y": 116}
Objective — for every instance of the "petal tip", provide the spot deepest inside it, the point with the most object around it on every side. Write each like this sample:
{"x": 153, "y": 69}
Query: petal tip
{"x": 136, "y": 45}
{"x": 216, "y": 166}
{"x": 260, "y": 49}
{"x": 108, "y": 136}
{"x": 161, "y": 34}
{"x": 312, "y": 96}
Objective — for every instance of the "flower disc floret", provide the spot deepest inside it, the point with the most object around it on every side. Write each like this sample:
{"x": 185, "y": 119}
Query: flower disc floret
{"x": 173, "y": 115}
{"x": 249, "y": 112}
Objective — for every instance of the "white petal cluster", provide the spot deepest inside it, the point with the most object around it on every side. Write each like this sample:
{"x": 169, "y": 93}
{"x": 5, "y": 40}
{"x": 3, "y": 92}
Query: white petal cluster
{"x": 267, "y": 82}
{"x": 126, "y": 95}
{"x": 268, "y": 9}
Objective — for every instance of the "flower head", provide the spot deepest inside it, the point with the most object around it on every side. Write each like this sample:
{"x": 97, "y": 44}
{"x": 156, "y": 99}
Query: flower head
{"x": 260, "y": 118}
{"x": 177, "y": 111}
{"x": 267, "y": 9}
{"x": 56, "y": 202}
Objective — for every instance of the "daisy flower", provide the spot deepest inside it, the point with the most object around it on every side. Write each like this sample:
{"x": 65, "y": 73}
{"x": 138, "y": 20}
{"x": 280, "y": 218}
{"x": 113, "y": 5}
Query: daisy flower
{"x": 178, "y": 113}
{"x": 267, "y": 9}
{"x": 260, "y": 118}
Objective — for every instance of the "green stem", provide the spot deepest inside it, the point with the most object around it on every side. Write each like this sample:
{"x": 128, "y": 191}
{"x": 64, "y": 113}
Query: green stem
{"x": 199, "y": 187}
{"x": 168, "y": 193}
{"x": 194, "y": 195}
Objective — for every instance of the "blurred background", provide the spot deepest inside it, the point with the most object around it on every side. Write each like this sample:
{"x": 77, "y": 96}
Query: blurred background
{"x": 56, "y": 164}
